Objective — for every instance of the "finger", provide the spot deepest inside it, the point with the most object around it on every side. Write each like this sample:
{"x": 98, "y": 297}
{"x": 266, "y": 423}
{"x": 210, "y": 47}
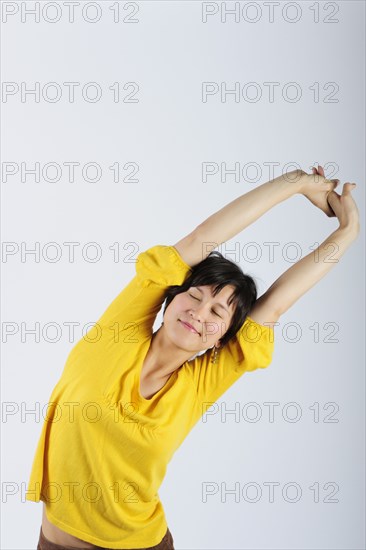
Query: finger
{"x": 348, "y": 187}
{"x": 321, "y": 170}
{"x": 334, "y": 183}
{"x": 330, "y": 212}
{"x": 330, "y": 184}
{"x": 316, "y": 172}
{"x": 333, "y": 200}
{"x": 333, "y": 195}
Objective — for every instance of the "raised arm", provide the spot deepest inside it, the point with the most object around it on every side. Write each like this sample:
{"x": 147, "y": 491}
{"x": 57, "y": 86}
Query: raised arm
{"x": 236, "y": 216}
{"x": 246, "y": 209}
{"x": 305, "y": 273}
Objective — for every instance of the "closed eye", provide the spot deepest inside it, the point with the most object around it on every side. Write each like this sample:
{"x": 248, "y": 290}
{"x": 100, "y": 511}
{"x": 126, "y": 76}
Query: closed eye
{"x": 215, "y": 312}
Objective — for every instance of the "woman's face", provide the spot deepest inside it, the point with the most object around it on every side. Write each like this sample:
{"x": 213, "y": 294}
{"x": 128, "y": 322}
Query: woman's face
{"x": 209, "y": 315}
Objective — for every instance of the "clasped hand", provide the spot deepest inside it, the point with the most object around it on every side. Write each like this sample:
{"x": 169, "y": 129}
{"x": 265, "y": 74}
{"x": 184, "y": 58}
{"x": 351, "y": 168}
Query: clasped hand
{"x": 320, "y": 192}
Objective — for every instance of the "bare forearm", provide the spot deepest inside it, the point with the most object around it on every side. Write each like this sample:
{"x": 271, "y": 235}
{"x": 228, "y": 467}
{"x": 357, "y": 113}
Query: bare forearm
{"x": 303, "y": 275}
{"x": 246, "y": 209}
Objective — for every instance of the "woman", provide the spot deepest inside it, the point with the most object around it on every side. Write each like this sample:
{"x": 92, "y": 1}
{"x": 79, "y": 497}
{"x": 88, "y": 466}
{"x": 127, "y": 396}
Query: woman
{"x": 128, "y": 397}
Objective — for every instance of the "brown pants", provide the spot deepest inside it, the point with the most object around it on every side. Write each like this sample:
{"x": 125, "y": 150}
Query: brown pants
{"x": 166, "y": 543}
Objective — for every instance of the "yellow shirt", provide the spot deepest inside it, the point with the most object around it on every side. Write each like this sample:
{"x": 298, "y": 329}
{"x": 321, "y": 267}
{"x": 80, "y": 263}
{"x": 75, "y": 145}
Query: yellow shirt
{"x": 104, "y": 449}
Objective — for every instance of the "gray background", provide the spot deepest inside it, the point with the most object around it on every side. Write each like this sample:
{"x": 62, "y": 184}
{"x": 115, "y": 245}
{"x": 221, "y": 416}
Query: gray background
{"x": 169, "y": 133}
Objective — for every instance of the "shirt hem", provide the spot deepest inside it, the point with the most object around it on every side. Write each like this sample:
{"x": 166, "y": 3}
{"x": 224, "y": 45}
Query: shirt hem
{"x": 95, "y": 540}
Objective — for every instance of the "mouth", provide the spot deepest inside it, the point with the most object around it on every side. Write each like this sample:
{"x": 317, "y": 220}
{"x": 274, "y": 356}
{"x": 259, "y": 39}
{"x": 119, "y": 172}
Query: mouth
{"x": 189, "y": 327}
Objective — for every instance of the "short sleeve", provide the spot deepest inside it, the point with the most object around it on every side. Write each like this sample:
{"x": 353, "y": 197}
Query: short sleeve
{"x": 251, "y": 349}
{"x": 157, "y": 268}
{"x": 161, "y": 266}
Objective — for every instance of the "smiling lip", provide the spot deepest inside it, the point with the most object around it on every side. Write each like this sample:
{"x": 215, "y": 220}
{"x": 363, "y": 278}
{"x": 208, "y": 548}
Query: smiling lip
{"x": 189, "y": 327}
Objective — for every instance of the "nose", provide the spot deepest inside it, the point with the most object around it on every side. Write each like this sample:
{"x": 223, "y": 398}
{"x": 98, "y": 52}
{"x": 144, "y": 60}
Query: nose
{"x": 206, "y": 328}
{"x": 198, "y": 313}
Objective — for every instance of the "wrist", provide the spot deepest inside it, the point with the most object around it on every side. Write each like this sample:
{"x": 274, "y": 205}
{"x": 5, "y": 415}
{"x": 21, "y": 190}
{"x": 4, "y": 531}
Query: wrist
{"x": 348, "y": 232}
{"x": 292, "y": 182}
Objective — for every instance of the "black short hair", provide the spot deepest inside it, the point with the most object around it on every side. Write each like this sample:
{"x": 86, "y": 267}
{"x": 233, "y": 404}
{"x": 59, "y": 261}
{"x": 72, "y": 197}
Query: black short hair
{"x": 217, "y": 270}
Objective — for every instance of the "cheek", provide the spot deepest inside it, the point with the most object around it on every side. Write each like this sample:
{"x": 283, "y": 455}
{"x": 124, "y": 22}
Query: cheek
{"x": 180, "y": 303}
{"x": 175, "y": 307}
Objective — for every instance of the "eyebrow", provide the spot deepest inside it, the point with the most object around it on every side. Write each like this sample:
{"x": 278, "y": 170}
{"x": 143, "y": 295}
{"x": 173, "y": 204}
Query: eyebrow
{"x": 218, "y": 303}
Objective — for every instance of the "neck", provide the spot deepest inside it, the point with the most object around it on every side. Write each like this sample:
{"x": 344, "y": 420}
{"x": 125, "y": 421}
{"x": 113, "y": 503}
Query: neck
{"x": 164, "y": 357}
